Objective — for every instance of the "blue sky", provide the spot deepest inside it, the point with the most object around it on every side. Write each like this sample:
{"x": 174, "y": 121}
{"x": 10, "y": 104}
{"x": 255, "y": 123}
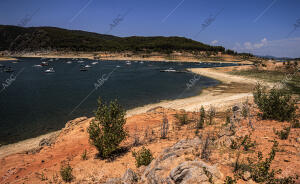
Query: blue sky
{"x": 258, "y": 26}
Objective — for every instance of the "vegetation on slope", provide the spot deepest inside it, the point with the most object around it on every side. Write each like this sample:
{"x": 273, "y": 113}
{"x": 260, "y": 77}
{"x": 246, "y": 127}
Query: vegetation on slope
{"x": 15, "y": 38}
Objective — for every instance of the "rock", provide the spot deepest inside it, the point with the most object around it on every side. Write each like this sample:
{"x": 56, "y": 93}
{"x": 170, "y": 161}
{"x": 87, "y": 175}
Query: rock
{"x": 235, "y": 108}
{"x": 71, "y": 124}
{"x": 130, "y": 177}
{"x": 154, "y": 109}
{"x": 49, "y": 140}
{"x": 114, "y": 181}
{"x": 226, "y": 131}
{"x": 194, "y": 172}
{"x": 224, "y": 141}
{"x": 246, "y": 175}
{"x": 171, "y": 166}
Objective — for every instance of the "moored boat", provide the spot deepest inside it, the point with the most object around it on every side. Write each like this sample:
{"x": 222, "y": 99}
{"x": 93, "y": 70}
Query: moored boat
{"x": 8, "y": 69}
{"x": 50, "y": 70}
{"x": 168, "y": 70}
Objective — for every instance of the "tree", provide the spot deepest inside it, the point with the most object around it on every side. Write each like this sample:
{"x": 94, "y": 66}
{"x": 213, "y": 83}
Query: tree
{"x": 106, "y": 131}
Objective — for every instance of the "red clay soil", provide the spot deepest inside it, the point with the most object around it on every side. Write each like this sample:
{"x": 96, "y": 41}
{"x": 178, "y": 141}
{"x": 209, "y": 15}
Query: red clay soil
{"x": 44, "y": 166}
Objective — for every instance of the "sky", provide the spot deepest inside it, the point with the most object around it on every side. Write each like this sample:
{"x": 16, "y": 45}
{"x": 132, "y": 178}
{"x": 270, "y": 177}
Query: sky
{"x": 262, "y": 27}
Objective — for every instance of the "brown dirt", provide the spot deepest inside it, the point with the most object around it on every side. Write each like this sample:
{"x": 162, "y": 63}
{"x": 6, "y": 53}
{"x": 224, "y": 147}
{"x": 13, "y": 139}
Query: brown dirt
{"x": 43, "y": 167}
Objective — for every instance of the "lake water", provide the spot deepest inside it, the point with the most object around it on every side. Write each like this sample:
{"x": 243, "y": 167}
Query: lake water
{"x": 35, "y": 102}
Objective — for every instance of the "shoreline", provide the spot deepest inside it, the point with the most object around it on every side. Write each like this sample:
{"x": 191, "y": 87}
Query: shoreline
{"x": 8, "y": 58}
{"x": 220, "y": 96}
{"x": 120, "y": 57}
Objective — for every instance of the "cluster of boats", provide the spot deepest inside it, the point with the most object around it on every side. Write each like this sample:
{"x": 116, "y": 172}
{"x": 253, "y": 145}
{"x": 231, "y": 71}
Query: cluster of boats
{"x": 129, "y": 62}
{"x": 51, "y": 69}
{"x": 6, "y": 69}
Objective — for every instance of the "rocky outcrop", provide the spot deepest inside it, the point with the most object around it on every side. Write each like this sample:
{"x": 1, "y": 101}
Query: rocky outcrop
{"x": 129, "y": 177}
{"x": 70, "y": 125}
{"x": 171, "y": 166}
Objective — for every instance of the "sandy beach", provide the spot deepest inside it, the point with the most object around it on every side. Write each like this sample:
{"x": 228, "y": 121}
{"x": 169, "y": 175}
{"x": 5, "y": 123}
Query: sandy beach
{"x": 232, "y": 90}
{"x": 176, "y": 57}
{"x": 8, "y": 59}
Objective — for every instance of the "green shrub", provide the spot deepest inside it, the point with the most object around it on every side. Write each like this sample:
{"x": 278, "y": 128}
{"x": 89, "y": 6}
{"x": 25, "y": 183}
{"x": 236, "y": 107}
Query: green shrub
{"x": 234, "y": 144}
{"x": 245, "y": 109}
{"x": 182, "y": 119}
{"x": 295, "y": 123}
{"x": 229, "y": 180}
{"x": 142, "y": 157}
{"x": 84, "y": 155}
{"x": 106, "y": 132}
{"x": 66, "y": 173}
{"x": 200, "y": 122}
{"x": 260, "y": 170}
{"x": 247, "y": 143}
{"x": 227, "y": 117}
{"x": 283, "y": 134}
{"x": 275, "y": 104}
{"x": 211, "y": 114}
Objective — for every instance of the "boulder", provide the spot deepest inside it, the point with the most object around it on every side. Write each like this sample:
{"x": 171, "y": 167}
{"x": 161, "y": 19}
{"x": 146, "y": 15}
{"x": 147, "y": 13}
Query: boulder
{"x": 194, "y": 172}
{"x": 129, "y": 177}
{"x": 171, "y": 166}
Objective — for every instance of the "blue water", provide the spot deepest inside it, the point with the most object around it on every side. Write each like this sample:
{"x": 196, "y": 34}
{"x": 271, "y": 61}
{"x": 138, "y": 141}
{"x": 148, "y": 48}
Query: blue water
{"x": 35, "y": 103}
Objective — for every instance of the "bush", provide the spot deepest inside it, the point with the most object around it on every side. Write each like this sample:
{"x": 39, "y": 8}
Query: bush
{"x": 245, "y": 109}
{"x": 142, "y": 157}
{"x": 227, "y": 117}
{"x": 247, "y": 143}
{"x": 200, "y": 122}
{"x": 106, "y": 132}
{"x": 84, "y": 155}
{"x": 275, "y": 104}
{"x": 66, "y": 173}
{"x": 229, "y": 180}
{"x": 211, "y": 114}
{"x": 261, "y": 172}
{"x": 182, "y": 119}
{"x": 164, "y": 128}
{"x": 295, "y": 123}
{"x": 283, "y": 134}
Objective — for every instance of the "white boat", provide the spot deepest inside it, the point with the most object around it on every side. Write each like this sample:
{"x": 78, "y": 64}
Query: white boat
{"x": 69, "y": 62}
{"x": 94, "y": 63}
{"x": 168, "y": 70}
{"x": 83, "y": 69}
{"x": 50, "y": 70}
{"x": 87, "y": 66}
{"x": 128, "y": 63}
{"x": 51, "y": 60}
{"x": 118, "y": 66}
{"x": 37, "y": 66}
{"x": 44, "y": 63}
{"x": 142, "y": 62}
{"x": 81, "y": 61}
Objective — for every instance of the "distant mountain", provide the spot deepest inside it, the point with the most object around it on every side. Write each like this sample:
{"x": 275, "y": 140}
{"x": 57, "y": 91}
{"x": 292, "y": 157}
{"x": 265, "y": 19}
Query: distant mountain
{"x": 14, "y": 38}
{"x": 273, "y": 57}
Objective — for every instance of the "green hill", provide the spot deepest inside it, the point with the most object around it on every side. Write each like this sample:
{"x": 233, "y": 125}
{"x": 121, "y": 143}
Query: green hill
{"x": 16, "y": 38}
